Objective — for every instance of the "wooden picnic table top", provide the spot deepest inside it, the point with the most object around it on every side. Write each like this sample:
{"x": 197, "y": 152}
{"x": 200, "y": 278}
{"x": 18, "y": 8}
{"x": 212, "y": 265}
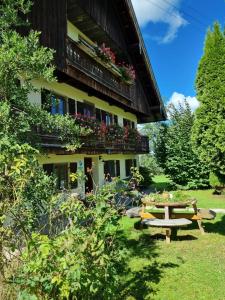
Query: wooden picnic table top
{"x": 169, "y": 204}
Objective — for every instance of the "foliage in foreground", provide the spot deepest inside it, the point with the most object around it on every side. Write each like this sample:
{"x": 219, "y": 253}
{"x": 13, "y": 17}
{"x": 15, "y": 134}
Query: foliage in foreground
{"x": 209, "y": 126}
{"x": 79, "y": 262}
{"x": 39, "y": 258}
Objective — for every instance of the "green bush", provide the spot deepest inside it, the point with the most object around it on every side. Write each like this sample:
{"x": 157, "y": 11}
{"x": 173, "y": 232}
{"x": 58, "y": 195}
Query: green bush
{"x": 82, "y": 261}
{"x": 217, "y": 182}
{"x": 147, "y": 176}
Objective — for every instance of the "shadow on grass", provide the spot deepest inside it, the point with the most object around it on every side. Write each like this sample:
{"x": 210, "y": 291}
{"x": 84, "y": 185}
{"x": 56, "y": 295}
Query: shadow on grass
{"x": 215, "y": 227}
{"x": 140, "y": 284}
{"x": 142, "y": 270}
{"x": 180, "y": 237}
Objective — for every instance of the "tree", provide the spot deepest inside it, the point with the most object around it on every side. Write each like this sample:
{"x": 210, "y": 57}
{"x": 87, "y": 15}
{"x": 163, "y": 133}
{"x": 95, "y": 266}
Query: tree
{"x": 209, "y": 126}
{"x": 155, "y": 160}
{"x": 182, "y": 164}
{"x": 159, "y": 145}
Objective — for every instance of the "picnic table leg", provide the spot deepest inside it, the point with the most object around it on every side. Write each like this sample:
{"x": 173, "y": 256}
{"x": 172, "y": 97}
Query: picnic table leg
{"x": 167, "y": 212}
{"x": 198, "y": 221}
{"x": 168, "y": 234}
{"x": 200, "y": 226}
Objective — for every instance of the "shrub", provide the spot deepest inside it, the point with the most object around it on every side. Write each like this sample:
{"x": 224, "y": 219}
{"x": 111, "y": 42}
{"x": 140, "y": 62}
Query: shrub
{"x": 82, "y": 261}
{"x": 217, "y": 182}
{"x": 146, "y": 175}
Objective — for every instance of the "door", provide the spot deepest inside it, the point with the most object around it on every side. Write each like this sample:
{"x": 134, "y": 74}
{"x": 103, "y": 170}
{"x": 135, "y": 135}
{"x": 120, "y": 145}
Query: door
{"x": 88, "y": 173}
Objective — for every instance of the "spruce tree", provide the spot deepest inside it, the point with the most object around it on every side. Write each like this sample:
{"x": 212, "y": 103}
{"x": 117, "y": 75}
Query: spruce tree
{"x": 182, "y": 164}
{"x": 208, "y": 134}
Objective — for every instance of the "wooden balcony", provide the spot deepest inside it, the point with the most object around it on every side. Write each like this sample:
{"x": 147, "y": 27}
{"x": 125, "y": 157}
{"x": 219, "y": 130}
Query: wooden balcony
{"x": 99, "y": 145}
{"x": 103, "y": 74}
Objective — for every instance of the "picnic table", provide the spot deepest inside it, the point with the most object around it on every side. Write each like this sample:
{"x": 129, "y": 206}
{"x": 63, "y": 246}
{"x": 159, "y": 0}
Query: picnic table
{"x": 172, "y": 220}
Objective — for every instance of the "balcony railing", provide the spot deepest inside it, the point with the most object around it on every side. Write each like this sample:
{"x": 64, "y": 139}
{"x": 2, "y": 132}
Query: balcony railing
{"x": 88, "y": 65}
{"x": 101, "y": 145}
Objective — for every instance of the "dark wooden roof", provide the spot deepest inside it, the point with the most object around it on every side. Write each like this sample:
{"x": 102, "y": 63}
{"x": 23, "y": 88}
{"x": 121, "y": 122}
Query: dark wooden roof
{"x": 147, "y": 64}
{"x": 114, "y": 23}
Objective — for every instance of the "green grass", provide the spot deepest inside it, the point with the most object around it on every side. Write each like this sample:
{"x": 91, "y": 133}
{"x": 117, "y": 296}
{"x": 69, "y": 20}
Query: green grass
{"x": 205, "y": 198}
{"x": 190, "y": 268}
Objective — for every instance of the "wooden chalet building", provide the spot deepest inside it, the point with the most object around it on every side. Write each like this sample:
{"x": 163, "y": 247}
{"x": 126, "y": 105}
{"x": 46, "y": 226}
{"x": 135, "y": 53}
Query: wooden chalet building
{"x": 104, "y": 75}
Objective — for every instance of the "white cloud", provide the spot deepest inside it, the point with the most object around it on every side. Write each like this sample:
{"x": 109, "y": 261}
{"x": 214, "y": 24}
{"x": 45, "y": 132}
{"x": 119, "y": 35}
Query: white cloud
{"x": 178, "y": 98}
{"x": 160, "y": 11}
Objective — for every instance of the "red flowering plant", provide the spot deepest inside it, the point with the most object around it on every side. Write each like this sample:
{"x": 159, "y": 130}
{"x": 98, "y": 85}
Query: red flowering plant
{"x": 97, "y": 129}
{"x": 127, "y": 73}
{"x": 87, "y": 122}
{"x": 131, "y": 134}
{"x": 115, "y": 132}
{"x": 105, "y": 54}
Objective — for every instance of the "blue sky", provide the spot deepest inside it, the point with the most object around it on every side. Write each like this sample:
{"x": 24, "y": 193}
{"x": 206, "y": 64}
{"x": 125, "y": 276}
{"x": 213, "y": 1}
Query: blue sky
{"x": 174, "y": 33}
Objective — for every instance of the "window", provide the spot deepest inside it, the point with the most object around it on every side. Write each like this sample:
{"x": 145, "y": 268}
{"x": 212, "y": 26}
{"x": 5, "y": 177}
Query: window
{"x": 56, "y": 104}
{"x": 98, "y": 114}
{"x": 129, "y": 163}
{"x": 111, "y": 169}
{"x": 106, "y": 117}
{"x": 73, "y": 169}
{"x": 115, "y": 119}
{"x": 61, "y": 172}
{"x": 85, "y": 109}
{"x": 128, "y": 123}
{"x": 72, "y": 106}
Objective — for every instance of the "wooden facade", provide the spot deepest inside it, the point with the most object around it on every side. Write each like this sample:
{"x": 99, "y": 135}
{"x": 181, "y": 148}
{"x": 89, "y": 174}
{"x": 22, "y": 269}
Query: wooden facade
{"x": 114, "y": 23}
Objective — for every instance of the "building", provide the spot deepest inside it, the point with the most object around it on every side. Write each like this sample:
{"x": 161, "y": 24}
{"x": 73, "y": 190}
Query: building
{"x": 104, "y": 77}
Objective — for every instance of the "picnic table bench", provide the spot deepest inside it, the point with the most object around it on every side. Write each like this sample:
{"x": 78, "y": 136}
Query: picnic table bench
{"x": 170, "y": 225}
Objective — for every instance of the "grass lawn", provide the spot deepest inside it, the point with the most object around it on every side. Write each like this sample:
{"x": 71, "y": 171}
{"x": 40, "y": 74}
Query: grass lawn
{"x": 190, "y": 268}
{"x": 205, "y": 197}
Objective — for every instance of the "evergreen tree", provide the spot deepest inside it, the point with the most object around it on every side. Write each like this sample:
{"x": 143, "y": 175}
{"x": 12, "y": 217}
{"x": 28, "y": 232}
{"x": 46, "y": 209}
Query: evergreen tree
{"x": 182, "y": 164}
{"x": 209, "y": 126}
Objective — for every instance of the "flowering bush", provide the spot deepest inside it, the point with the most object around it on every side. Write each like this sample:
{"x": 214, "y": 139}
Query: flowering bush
{"x": 105, "y": 54}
